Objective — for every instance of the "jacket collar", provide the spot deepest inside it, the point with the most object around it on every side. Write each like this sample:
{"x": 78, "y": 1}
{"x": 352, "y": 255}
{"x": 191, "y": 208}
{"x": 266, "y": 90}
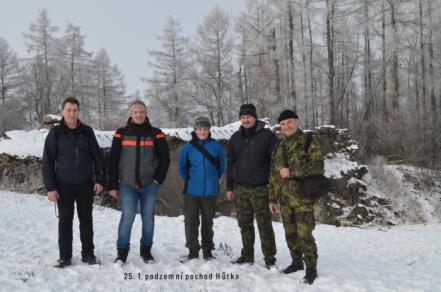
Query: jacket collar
{"x": 194, "y": 137}
{"x": 259, "y": 126}
{"x": 131, "y": 124}
{"x": 63, "y": 124}
{"x": 296, "y": 135}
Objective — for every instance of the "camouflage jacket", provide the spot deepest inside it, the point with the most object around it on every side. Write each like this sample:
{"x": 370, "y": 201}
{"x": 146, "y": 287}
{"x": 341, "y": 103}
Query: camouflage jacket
{"x": 302, "y": 164}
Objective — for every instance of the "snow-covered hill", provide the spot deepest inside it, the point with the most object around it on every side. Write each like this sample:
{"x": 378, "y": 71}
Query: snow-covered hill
{"x": 404, "y": 258}
{"x": 414, "y": 192}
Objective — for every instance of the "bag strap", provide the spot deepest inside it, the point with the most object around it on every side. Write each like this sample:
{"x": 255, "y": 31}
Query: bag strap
{"x": 284, "y": 150}
{"x": 187, "y": 174}
{"x": 207, "y": 154}
{"x": 284, "y": 155}
{"x": 308, "y": 141}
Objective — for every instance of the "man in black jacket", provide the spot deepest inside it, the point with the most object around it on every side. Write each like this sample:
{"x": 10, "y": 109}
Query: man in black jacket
{"x": 249, "y": 155}
{"x": 72, "y": 172}
{"x": 139, "y": 161}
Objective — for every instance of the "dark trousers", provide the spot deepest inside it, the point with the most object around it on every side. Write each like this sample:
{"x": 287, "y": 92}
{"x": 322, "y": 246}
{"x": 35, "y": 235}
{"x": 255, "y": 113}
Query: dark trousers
{"x": 193, "y": 207}
{"x": 82, "y": 194}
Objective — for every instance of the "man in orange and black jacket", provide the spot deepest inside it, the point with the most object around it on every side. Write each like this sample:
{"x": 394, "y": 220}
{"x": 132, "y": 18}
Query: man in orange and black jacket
{"x": 139, "y": 161}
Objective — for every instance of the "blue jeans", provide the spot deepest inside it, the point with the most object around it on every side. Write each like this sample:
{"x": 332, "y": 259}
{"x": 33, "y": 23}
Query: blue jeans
{"x": 129, "y": 202}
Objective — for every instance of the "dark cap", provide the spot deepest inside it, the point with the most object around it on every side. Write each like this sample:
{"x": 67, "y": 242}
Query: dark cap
{"x": 287, "y": 114}
{"x": 202, "y": 123}
{"x": 248, "y": 109}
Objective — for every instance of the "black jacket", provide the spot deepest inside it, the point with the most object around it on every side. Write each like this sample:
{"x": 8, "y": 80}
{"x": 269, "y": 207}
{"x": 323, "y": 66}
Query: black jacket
{"x": 139, "y": 155}
{"x": 249, "y": 155}
{"x": 71, "y": 156}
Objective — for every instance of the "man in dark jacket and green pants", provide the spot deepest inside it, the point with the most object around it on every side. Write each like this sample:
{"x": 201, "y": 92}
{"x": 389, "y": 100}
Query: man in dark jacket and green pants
{"x": 249, "y": 155}
{"x": 73, "y": 172}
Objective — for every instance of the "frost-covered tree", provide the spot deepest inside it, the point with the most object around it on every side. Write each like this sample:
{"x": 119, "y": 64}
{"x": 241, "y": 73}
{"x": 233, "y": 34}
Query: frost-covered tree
{"x": 169, "y": 89}
{"x": 9, "y": 82}
{"x": 109, "y": 89}
{"x": 76, "y": 65}
{"x": 41, "y": 78}
{"x": 214, "y": 52}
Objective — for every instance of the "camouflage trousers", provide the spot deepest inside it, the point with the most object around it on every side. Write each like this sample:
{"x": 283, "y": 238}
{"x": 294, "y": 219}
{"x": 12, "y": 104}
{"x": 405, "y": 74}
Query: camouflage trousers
{"x": 250, "y": 202}
{"x": 298, "y": 221}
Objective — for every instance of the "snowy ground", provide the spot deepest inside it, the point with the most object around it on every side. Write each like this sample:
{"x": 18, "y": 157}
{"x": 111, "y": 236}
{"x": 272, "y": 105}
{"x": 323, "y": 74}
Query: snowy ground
{"x": 404, "y": 258}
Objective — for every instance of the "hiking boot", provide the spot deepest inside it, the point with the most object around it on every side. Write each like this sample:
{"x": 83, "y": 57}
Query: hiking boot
{"x": 146, "y": 254}
{"x": 193, "y": 254}
{"x": 122, "y": 255}
{"x": 61, "y": 263}
{"x": 271, "y": 262}
{"x": 207, "y": 254}
{"x": 90, "y": 259}
{"x": 310, "y": 276}
{"x": 242, "y": 260}
{"x": 295, "y": 266}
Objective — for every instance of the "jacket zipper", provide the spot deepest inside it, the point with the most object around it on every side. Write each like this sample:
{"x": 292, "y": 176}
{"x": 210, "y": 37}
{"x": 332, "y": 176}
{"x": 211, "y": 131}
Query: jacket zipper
{"x": 76, "y": 154}
{"x": 205, "y": 171}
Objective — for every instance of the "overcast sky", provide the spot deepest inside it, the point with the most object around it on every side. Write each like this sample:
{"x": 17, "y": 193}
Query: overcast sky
{"x": 126, "y": 29}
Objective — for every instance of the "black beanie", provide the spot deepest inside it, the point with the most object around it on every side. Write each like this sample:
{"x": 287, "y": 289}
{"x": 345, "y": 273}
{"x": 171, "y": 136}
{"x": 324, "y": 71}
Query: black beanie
{"x": 287, "y": 114}
{"x": 248, "y": 109}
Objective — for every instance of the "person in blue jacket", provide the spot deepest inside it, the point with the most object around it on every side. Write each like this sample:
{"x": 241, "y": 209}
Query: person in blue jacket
{"x": 201, "y": 165}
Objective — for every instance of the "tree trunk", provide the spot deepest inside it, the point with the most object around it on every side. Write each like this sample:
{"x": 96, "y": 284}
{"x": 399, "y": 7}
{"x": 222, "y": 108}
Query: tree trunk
{"x": 330, "y": 46}
{"x": 305, "y": 87}
{"x": 385, "y": 112}
{"x": 292, "y": 78}
{"x": 311, "y": 71}
{"x": 395, "y": 63}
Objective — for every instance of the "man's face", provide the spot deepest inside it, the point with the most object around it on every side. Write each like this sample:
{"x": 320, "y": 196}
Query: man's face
{"x": 202, "y": 133}
{"x": 138, "y": 114}
{"x": 289, "y": 126}
{"x": 70, "y": 113}
{"x": 247, "y": 121}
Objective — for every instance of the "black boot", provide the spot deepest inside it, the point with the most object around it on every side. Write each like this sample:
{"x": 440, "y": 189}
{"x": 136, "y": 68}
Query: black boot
{"x": 295, "y": 266}
{"x": 146, "y": 254}
{"x": 242, "y": 260}
{"x": 193, "y": 254}
{"x": 122, "y": 255}
{"x": 311, "y": 274}
{"x": 271, "y": 262}
{"x": 61, "y": 263}
{"x": 90, "y": 259}
{"x": 207, "y": 254}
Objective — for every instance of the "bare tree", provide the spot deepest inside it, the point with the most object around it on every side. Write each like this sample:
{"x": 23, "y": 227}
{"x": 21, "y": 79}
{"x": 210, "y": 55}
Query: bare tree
{"x": 41, "y": 44}
{"x": 9, "y": 79}
{"x": 170, "y": 64}
{"x": 214, "y": 52}
{"x": 109, "y": 89}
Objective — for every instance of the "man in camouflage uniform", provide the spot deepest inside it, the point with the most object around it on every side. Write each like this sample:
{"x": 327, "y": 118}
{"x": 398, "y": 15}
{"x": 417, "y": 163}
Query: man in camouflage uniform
{"x": 284, "y": 186}
{"x": 249, "y": 156}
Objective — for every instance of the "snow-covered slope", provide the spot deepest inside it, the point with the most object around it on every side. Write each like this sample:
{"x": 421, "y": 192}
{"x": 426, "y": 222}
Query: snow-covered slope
{"x": 414, "y": 192}
{"x": 405, "y": 258}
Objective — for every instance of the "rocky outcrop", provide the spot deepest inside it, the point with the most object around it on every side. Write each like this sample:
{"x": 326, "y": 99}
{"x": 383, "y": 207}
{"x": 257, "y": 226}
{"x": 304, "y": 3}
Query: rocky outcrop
{"x": 349, "y": 202}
